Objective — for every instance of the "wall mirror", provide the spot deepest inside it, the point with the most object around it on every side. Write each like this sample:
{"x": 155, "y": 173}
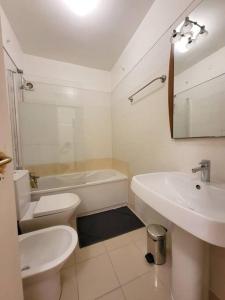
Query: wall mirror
{"x": 197, "y": 73}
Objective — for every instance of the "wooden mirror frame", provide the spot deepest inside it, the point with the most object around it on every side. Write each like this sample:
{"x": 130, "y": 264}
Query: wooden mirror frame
{"x": 171, "y": 89}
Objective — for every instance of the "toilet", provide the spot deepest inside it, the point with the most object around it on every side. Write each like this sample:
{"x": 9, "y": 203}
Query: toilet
{"x": 50, "y": 210}
{"x": 42, "y": 256}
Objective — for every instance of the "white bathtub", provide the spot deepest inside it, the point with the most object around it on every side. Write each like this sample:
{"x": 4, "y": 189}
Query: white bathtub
{"x": 99, "y": 190}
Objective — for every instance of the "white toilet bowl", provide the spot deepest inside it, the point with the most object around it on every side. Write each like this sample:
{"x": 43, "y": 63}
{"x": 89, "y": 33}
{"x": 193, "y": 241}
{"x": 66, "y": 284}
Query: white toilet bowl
{"x": 50, "y": 210}
{"x": 43, "y": 253}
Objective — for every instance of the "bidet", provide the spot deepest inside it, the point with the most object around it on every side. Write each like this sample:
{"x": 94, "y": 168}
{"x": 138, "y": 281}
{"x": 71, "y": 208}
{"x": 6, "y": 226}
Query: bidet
{"x": 41, "y": 273}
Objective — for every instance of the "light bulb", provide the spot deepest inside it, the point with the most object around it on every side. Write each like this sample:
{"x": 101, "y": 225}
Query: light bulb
{"x": 190, "y": 43}
{"x": 181, "y": 46}
{"x": 187, "y": 26}
{"x": 176, "y": 36}
{"x": 82, "y": 7}
{"x": 195, "y": 32}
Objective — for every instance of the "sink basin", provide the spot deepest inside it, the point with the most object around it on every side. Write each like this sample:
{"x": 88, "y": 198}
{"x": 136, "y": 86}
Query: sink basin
{"x": 197, "y": 207}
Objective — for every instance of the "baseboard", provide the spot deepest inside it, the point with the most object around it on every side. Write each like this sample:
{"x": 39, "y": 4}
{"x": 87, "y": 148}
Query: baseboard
{"x": 102, "y": 209}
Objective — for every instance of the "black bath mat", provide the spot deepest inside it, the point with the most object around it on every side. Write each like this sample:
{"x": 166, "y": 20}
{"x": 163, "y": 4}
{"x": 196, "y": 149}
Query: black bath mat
{"x": 105, "y": 225}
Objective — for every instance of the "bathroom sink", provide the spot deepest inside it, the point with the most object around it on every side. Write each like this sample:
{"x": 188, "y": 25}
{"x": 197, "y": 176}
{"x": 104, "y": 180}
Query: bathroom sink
{"x": 197, "y": 207}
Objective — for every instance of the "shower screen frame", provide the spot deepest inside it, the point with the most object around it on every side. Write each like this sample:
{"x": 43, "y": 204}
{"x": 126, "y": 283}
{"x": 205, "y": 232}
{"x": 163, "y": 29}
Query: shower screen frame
{"x": 15, "y": 95}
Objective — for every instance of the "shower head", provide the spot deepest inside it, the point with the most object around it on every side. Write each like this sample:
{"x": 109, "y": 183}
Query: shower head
{"x": 27, "y": 86}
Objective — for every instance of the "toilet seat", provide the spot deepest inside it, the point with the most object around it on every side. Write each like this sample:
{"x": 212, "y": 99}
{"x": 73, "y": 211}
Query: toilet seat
{"x": 52, "y": 204}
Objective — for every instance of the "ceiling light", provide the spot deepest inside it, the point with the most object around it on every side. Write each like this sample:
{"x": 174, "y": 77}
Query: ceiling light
{"x": 186, "y": 34}
{"x": 82, "y": 7}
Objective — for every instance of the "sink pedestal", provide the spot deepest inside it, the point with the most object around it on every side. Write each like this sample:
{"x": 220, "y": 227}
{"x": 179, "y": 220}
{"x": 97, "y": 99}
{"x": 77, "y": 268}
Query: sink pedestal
{"x": 190, "y": 267}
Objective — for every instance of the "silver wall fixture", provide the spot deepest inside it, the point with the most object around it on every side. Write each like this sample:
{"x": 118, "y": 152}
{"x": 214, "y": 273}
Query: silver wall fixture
{"x": 189, "y": 32}
{"x": 27, "y": 85}
{"x": 161, "y": 78}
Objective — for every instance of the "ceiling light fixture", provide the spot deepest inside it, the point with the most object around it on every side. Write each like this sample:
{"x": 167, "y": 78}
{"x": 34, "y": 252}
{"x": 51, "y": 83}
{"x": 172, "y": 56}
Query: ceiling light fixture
{"x": 82, "y": 7}
{"x": 186, "y": 34}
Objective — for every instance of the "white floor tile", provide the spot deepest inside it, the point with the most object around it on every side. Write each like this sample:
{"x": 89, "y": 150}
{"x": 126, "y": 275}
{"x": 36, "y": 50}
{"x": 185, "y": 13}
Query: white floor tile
{"x": 129, "y": 262}
{"x": 96, "y": 277}
{"x": 82, "y": 254}
{"x": 139, "y": 234}
{"x": 145, "y": 288}
{"x": 117, "y": 242}
{"x": 115, "y": 295}
{"x": 142, "y": 245}
{"x": 70, "y": 261}
{"x": 69, "y": 286}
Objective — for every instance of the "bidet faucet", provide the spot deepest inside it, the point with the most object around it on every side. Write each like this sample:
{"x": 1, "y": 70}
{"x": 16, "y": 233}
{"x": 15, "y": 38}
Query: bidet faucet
{"x": 204, "y": 169}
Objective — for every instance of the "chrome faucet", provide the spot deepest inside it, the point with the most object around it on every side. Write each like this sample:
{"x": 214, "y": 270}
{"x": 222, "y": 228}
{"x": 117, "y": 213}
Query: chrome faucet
{"x": 204, "y": 169}
{"x": 33, "y": 181}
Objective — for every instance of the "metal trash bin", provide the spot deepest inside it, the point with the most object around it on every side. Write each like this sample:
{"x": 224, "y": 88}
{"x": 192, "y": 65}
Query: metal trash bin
{"x": 156, "y": 244}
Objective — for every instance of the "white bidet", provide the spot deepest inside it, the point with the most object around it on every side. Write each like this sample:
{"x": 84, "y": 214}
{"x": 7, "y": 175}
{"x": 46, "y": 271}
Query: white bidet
{"x": 43, "y": 253}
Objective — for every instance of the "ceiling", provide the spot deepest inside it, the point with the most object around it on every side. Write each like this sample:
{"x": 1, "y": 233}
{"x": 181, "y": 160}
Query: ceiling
{"x": 48, "y": 28}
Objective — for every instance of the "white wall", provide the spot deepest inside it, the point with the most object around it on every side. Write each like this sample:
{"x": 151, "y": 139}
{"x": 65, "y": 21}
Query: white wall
{"x": 141, "y": 134}
{"x": 56, "y": 72}
{"x": 10, "y": 41}
{"x": 137, "y": 135}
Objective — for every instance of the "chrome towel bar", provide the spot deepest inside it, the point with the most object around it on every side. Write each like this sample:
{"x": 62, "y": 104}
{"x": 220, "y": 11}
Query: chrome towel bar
{"x": 162, "y": 78}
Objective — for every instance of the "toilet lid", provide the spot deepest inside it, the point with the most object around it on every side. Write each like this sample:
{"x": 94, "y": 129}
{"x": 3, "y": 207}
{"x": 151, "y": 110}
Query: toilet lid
{"x": 53, "y": 204}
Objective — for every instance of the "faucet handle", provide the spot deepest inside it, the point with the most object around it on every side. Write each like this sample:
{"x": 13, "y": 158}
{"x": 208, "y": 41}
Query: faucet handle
{"x": 33, "y": 176}
{"x": 204, "y": 169}
{"x": 204, "y": 163}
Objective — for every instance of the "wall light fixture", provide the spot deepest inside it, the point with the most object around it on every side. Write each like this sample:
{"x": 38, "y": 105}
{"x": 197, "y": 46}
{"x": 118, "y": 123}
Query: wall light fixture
{"x": 187, "y": 34}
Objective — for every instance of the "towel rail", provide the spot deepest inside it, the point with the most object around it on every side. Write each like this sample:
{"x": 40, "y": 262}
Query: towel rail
{"x": 162, "y": 78}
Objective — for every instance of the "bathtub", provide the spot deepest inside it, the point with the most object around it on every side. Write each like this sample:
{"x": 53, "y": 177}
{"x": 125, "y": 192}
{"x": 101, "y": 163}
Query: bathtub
{"x": 98, "y": 190}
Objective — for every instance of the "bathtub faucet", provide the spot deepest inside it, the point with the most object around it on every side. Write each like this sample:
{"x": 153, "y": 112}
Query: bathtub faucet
{"x": 33, "y": 181}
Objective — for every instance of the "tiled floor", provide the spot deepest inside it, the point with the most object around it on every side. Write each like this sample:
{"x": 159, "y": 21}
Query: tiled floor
{"x": 115, "y": 270}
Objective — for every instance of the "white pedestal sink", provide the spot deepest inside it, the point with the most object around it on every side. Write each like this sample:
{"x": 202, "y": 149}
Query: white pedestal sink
{"x": 197, "y": 211}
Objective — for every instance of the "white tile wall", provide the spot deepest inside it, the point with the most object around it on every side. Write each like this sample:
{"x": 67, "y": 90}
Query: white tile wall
{"x": 64, "y": 124}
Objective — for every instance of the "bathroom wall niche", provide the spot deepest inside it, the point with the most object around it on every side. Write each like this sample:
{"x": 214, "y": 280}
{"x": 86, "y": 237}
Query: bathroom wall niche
{"x": 197, "y": 73}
